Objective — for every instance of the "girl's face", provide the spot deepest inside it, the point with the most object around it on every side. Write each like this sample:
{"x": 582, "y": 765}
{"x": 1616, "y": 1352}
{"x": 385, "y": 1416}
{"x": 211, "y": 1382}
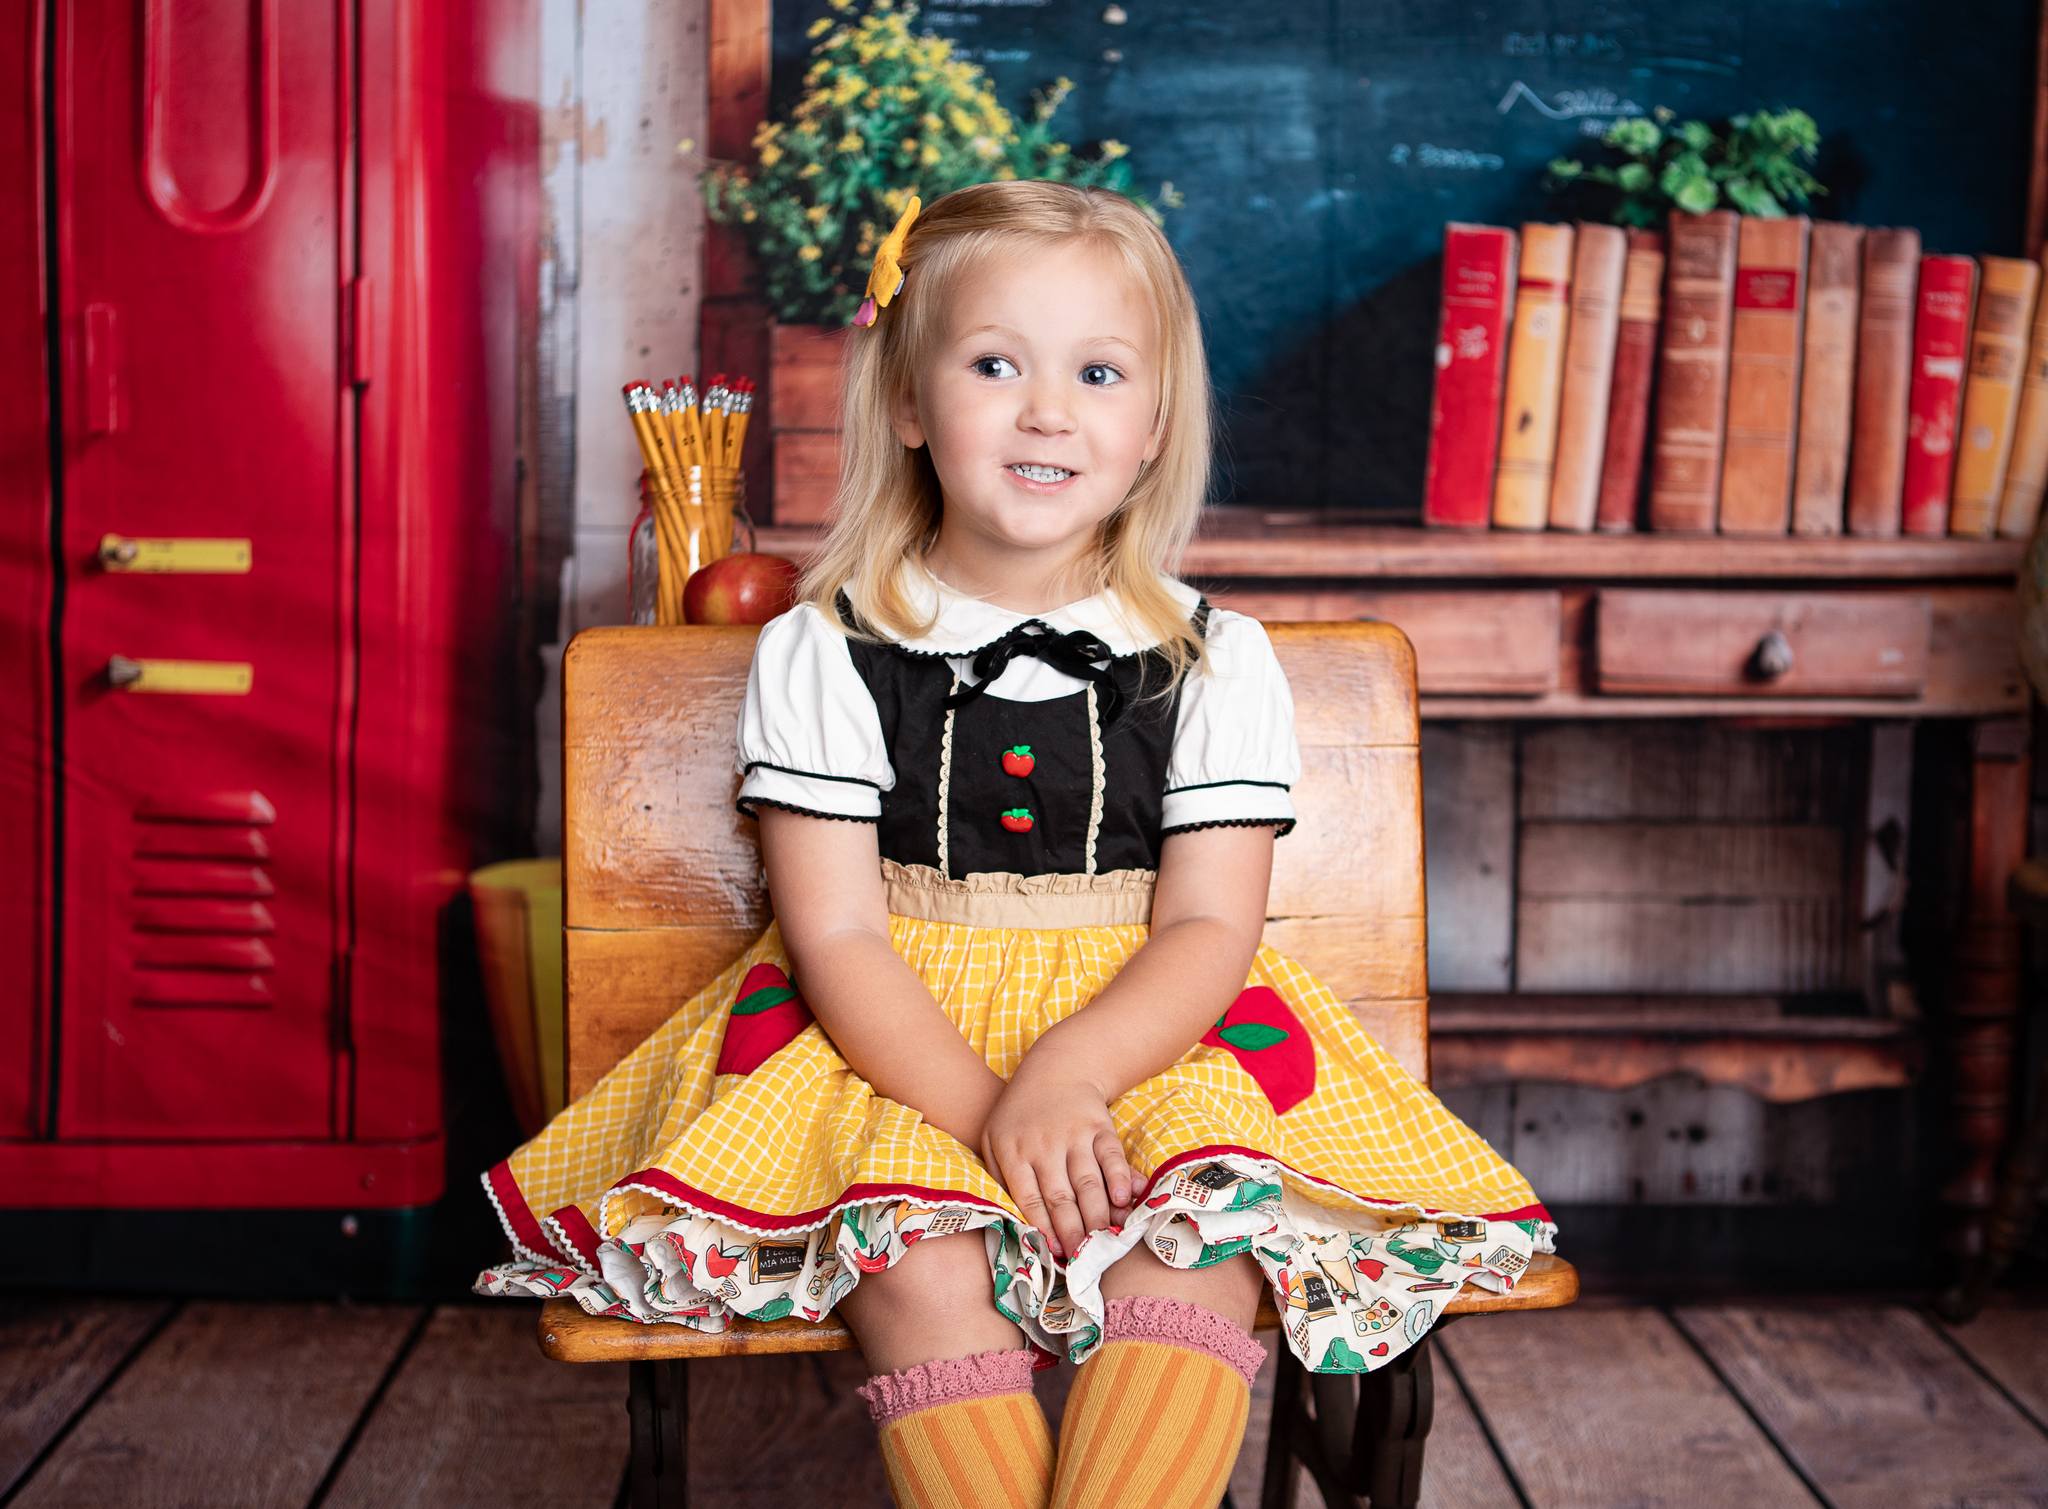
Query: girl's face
{"x": 1049, "y": 364}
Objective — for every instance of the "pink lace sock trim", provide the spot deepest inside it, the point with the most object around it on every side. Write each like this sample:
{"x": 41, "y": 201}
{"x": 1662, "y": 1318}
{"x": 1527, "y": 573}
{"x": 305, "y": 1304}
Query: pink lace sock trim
{"x": 1180, "y": 1323}
{"x": 946, "y": 1380}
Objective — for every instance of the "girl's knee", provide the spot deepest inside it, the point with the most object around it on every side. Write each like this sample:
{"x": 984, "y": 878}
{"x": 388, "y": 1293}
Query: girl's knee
{"x": 937, "y": 1300}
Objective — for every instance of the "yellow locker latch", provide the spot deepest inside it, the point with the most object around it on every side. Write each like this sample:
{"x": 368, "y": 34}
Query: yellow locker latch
{"x": 169, "y": 557}
{"x": 220, "y": 678}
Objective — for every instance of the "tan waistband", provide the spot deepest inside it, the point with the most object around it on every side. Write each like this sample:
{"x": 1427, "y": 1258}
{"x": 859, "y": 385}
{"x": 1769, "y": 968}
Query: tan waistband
{"x": 1115, "y": 898}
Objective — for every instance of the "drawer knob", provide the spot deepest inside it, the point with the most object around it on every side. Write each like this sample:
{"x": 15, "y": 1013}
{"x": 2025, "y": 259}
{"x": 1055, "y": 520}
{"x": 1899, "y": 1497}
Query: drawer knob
{"x": 1772, "y": 657}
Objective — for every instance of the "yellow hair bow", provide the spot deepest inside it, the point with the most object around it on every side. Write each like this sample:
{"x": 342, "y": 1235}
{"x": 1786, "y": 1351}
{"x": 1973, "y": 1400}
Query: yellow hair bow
{"x": 885, "y": 281}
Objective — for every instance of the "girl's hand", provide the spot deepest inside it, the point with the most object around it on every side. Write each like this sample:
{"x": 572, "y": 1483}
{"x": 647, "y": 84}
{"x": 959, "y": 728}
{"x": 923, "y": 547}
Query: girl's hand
{"x": 1051, "y": 1143}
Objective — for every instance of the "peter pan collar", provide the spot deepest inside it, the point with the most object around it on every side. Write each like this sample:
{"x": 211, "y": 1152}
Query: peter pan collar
{"x": 967, "y": 624}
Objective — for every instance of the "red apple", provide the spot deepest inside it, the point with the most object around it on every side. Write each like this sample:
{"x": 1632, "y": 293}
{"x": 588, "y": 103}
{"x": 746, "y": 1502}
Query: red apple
{"x": 1018, "y": 820}
{"x": 747, "y": 587}
{"x": 1261, "y": 1031}
{"x": 1018, "y": 760}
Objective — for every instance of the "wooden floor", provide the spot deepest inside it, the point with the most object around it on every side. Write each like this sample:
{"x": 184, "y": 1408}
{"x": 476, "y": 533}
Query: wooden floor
{"x": 119, "y": 1402}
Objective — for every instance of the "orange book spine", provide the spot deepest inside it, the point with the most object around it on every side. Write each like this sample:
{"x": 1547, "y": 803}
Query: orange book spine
{"x": 1991, "y": 392}
{"x": 1597, "y": 263}
{"x": 1692, "y": 375}
{"x": 1528, "y": 432}
{"x": 2027, "y": 473}
{"x": 1763, "y": 375}
{"x": 1827, "y": 380}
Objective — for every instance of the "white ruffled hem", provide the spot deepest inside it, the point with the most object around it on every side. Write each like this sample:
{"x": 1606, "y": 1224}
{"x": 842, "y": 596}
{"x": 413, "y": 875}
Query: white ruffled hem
{"x": 1338, "y": 1277}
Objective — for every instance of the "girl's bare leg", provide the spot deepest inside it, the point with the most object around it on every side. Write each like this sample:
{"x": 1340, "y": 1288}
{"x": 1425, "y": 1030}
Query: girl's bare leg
{"x": 936, "y": 1302}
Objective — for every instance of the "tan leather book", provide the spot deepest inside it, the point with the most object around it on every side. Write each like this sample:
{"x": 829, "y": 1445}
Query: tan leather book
{"x": 1827, "y": 378}
{"x": 2026, "y": 474}
{"x": 1635, "y": 368}
{"x": 1597, "y": 261}
{"x": 1528, "y": 428}
{"x": 1884, "y": 376}
{"x": 1692, "y": 372}
{"x": 1991, "y": 390}
{"x": 1764, "y": 347}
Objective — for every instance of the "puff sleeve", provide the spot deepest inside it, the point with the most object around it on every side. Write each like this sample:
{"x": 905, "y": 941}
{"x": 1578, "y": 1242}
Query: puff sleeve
{"x": 809, "y": 736}
{"x": 1234, "y": 756}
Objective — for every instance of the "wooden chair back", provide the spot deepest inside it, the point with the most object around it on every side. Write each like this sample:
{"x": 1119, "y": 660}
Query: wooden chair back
{"x": 662, "y": 882}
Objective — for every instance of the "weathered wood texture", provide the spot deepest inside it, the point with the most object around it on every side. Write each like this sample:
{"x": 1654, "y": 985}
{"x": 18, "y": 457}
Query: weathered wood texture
{"x": 54, "y": 1355}
{"x": 476, "y": 1415}
{"x": 1613, "y": 1406}
{"x": 1875, "y": 1406}
{"x": 228, "y": 1405}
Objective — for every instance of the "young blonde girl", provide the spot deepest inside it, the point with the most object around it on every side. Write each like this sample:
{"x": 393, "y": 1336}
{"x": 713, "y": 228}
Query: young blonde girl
{"x": 1012, "y": 1074}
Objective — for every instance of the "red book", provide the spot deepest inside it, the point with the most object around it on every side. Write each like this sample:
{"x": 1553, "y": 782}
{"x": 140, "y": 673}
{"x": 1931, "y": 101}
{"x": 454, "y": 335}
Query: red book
{"x": 1471, "y": 360}
{"x": 1941, "y": 351}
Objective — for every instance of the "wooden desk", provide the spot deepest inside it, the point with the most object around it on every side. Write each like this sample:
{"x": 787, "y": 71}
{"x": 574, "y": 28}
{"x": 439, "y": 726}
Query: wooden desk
{"x": 1807, "y": 632}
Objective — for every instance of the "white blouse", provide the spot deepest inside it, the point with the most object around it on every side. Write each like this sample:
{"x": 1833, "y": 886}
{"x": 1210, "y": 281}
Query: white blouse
{"x": 810, "y": 737}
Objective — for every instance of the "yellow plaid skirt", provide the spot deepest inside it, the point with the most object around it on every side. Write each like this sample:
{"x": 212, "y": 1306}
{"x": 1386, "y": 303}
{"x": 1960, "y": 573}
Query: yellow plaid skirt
{"x": 733, "y": 1164}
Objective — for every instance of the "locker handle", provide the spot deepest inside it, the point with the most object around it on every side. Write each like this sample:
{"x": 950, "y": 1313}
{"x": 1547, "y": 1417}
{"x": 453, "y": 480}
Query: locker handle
{"x": 220, "y": 678}
{"x": 99, "y": 358}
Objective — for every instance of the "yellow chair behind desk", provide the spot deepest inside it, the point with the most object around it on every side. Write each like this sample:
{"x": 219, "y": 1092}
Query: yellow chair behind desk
{"x": 662, "y": 889}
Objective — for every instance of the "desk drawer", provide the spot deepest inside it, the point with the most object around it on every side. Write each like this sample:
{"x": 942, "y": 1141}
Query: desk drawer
{"x": 1762, "y": 644}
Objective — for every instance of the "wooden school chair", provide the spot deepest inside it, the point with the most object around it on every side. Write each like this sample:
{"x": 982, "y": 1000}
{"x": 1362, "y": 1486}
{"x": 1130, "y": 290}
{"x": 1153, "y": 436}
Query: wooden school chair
{"x": 662, "y": 889}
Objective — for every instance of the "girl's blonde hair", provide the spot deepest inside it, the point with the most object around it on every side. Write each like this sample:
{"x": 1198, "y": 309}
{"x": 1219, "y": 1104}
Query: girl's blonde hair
{"x": 886, "y": 511}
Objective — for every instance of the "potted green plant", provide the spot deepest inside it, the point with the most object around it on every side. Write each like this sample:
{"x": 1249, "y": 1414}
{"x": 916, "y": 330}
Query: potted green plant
{"x": 885, "y": 113}
{"x": 1757, "y": 164}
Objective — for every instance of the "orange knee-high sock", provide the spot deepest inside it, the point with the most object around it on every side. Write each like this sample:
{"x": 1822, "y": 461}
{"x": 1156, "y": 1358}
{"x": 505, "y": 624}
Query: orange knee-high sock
{"x": 960, "y": 1433}
{"x": 1158, "y": 1413}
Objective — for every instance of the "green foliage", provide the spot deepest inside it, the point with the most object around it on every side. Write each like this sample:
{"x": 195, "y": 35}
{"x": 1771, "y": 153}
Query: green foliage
{"x": 885, "y": 114}
{"x": 1756, "y": 164}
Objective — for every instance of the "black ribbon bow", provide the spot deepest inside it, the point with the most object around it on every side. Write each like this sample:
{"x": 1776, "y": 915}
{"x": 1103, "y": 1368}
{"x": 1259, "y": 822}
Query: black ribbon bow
{"x": 1075, "y": 653}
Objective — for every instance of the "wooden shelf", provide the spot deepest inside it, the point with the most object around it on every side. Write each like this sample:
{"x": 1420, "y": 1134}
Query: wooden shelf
{"x": 1307, "y": 545}
{"x": 1760, "y": 1044}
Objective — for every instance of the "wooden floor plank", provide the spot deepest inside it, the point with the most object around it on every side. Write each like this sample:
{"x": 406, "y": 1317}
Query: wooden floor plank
{"x": 231, "y": 1404}
{"x": 477, "y": 1416}
{"x": 1874, "y": 1405}
{"x": 2010, "y": 1342}
{"x": 1610, "y": 1405}
{"x": 53, "y": 1354}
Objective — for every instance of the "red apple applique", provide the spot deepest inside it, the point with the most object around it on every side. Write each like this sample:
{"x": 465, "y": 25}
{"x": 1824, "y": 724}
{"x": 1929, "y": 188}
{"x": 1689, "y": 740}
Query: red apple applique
{"x": 1263, "y": 1034}
{"x": 1018, "y": 760}
{"x": 1018, "y": 819}
{"x": 766, "y": 1015}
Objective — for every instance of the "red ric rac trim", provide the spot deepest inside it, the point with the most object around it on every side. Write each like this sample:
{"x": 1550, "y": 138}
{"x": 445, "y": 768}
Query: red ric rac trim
{"x": 524, "y": 1226}
{"x": 582, "y": 1235}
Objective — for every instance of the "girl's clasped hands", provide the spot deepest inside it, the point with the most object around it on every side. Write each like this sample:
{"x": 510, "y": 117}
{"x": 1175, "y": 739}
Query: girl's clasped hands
{"x": 1050, "y": 1141}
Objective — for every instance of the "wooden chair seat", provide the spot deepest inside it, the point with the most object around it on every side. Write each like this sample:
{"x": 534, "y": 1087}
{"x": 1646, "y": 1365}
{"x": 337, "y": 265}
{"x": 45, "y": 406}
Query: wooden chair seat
{"x": 662, "y": 889}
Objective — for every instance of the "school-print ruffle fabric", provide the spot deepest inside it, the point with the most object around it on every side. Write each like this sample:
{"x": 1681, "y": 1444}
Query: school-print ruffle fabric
{"x": 733, "y": 1164}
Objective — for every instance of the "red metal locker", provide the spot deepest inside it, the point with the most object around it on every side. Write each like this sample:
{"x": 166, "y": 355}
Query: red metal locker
{"x": 200, "y": 186}
{"x": 264, "y": 648}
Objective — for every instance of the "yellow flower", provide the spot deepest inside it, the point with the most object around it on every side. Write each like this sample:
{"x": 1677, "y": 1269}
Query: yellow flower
{"x": 866, "y": 243}
{"x": 932, "y": 122}
{"x": 905, "y": 95}
{"x": 962, "y": 121}
{"x": 747, "y": 213}
{"x": 985, "y": 148}
{"x": 815, "y": 213}
{"x": 808, "y": 253}
{"x": 1006, "y": 172}
{"x": 909, "y": 144}
{"x": 819, "y": 27}
{"x": 818, "y": 70}
{"x": 1113, "y": 149}
{"x": 770, "y": 156}
{"x": 1057, "y": 149}
{"x": 929, "y": 155}
{"x": 874, "y": 98}
{"x": 840, "y": 5}
{"x": 851, "y": 142}
{"x": 810, "y": 170}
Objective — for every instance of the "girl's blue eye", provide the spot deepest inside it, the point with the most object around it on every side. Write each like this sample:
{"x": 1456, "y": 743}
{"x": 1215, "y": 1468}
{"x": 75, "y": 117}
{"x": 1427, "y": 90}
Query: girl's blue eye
{"x": 980, "y": 361}
{"x": 1115, "y": 376}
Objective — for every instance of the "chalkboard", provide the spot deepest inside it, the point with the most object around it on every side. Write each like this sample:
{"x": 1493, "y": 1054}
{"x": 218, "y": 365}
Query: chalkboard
{"x": 1321, "y": 149}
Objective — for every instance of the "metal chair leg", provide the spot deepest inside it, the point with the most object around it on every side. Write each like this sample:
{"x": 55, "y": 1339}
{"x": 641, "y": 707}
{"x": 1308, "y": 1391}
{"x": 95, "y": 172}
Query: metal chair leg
{"x": 1277, "y": 1489}
{"x": 657, "y": 1405}
{"x": 1396, "y": 1405}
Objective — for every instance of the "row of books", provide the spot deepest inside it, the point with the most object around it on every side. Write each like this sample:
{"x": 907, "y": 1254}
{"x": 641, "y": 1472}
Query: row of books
{"x": 1810, "y": 378}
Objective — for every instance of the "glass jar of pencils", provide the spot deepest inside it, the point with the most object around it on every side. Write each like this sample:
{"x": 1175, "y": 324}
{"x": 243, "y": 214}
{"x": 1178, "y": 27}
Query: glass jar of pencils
{"x": 670, "y": 543}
